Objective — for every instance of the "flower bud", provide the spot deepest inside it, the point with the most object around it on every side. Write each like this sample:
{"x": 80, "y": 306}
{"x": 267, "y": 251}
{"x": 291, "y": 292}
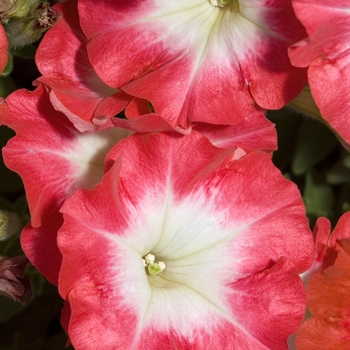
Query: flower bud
{"x": 15, "y": 8}
{"x": 10, "y": 224}
{"x": 25, "y": 27}
{"x": 13, "y": 283}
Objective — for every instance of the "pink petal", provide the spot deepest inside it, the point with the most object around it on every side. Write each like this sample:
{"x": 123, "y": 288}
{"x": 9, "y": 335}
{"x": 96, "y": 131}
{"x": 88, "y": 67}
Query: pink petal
{"x": 193, "y": 62}
{"x": 3, "y": 109}
{"x": 76, "y": 89}
{"x": 254, "y": 133}
{"x": 39, "y": 243}
{"x": 3, "y": 48}
{"x": 264, "y": 301}
{"x": 314, "y": 13}
{"x": 326, "y": 53}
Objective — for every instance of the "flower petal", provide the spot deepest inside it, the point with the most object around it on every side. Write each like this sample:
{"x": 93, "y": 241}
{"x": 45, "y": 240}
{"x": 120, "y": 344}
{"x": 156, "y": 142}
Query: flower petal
{"x": 254, "y": 133}
{"x": 326, "y": 53}
{"x": 53, "y": 159}
{"x": 217, "y": 63}
{"x": 77, "y": 91}
{"x": 3, "y": 48}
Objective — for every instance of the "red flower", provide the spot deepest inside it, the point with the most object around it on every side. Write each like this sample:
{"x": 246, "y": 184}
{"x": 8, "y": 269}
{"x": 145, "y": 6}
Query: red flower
{"x": 53, "y": 159}
{"x": 196, "y": 61}
{"x": 327, "y": 56}
{"x": 328, "y": 298}
{"x": 182, "y": 246}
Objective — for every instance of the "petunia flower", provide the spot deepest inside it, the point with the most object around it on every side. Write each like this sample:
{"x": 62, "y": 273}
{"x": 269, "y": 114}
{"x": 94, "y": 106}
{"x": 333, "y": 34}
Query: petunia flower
{"x": 328, "y": 298}
{"x": 53, "y": 159}
{"x": 180, "y": 246}
{"x": 326, "y": 54}
{"x": 325, "y": 249}
{"x": 206, "y": 61}
{"x": 75, "y": 88}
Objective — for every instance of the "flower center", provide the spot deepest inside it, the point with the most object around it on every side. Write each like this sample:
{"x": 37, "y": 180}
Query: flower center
{"x": 218, "y": 3}
{"x": 153, "y": 267}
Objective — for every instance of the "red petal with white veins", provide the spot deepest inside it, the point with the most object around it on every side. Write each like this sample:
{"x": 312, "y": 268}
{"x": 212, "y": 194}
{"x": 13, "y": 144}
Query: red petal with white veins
{"x": 194, "y": 61}
{"x": 220, "y": 225}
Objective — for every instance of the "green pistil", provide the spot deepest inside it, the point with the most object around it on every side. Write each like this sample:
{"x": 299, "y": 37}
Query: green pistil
{"x": 154, "y": 268}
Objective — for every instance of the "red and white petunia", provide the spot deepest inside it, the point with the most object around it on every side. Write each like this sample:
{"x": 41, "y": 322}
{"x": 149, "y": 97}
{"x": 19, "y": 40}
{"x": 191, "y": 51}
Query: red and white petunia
{"x": 53, "y": 159}
{"x": 182, "y": 247}
{"x": 206, "y": 61}
{"x": 326, "y": 54}
{"x": 76, "y": 90}
{"x": 328, "y": 297}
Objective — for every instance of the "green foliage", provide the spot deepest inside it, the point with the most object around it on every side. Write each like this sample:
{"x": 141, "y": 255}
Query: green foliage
{"x": 310, "y": 155}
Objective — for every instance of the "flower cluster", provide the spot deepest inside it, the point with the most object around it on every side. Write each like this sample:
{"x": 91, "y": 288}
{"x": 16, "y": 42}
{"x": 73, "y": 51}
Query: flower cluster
{"x": 145, "y": 155}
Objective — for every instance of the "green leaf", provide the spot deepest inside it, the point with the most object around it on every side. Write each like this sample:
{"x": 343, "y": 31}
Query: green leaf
{"x": 5, "y": 205}
{"x": 286, "y": 122}
{"x": 6, "y": 86}
{"x": 8, "y": 308}
{"x": 9, "y": 66}
{"x": 27, "y": 51}
{"x": 319, "y": 198}
{"x": 21, "y": 208}
{"x": 339, "y": 173}
{"x": 314, "y": 142}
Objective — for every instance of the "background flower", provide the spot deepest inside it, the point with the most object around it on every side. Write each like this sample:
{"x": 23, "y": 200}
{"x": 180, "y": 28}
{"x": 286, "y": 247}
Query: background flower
{"x": 326, "y": 54}
{"x": 328, "y": 298}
